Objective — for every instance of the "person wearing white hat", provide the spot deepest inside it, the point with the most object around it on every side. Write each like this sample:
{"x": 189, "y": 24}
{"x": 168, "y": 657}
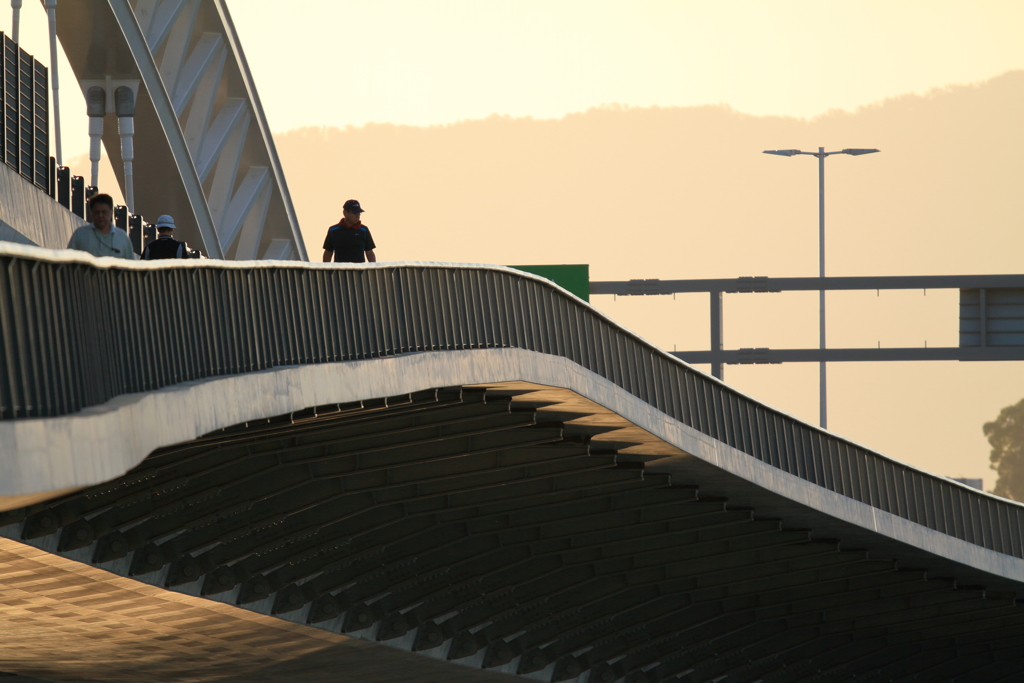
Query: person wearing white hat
{"x": 165, "y": 246}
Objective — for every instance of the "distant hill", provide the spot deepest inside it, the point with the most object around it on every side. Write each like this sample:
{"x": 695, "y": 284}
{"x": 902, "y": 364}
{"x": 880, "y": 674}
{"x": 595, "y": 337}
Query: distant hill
{"x": 639, "y": 192}
{"x": 686, "y": 192}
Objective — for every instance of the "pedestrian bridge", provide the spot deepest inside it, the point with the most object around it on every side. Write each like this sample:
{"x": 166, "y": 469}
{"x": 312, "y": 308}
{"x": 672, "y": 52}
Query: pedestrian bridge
{"x": 271, "y": 471}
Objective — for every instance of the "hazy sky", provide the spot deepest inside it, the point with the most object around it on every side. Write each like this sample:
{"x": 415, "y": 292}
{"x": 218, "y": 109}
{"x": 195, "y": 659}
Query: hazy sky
{"x": 427, "y": 62}
{"x": 438, "y": 61}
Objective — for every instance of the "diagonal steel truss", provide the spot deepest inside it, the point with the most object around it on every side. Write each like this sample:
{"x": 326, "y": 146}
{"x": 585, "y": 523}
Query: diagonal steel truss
{"x": 203, "y": 149}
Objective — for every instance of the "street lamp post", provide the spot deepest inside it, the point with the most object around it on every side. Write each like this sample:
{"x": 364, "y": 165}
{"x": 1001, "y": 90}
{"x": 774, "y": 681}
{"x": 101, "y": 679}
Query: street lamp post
{"x": 821, "y": 154}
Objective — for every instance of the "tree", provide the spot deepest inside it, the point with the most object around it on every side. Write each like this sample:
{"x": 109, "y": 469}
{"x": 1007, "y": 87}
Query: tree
{"x": 1006, "y": 434}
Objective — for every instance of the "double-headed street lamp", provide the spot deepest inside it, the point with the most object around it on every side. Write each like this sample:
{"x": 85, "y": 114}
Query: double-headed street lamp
{"x": 821, "y": 154}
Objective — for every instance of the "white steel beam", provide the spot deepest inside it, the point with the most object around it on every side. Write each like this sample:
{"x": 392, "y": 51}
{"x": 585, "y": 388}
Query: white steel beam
{"x": 252, "y": 228}
{"x": 227, "y": 170}
{"x": 279, "y": 250}
{"x": 169, "y": 122}
{"x": 226, "y": 176}
{"x": 144, "y": 10}
{"x": 261, "y": 125}
{"x": 199, "y": 61}
{"x": 217, "y": 136}
{"x": 177, "y": 44}
{"x": 202, "y": 103}
{"x": 162, "y": 18}
{"x": 242, "y": 202}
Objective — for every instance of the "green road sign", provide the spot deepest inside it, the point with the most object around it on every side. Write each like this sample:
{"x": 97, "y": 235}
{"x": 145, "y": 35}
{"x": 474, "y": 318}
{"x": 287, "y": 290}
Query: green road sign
{"x": 573, "y": 277}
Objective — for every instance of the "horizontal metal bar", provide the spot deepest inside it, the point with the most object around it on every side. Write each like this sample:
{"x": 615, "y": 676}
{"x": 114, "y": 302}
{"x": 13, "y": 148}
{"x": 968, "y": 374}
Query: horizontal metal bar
{"x": 805, "y": 284}
{"x": 754, "y": 356}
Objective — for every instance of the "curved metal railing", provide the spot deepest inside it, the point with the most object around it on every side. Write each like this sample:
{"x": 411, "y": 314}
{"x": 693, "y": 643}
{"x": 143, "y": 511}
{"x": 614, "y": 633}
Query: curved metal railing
{"x": 76, "y": 332}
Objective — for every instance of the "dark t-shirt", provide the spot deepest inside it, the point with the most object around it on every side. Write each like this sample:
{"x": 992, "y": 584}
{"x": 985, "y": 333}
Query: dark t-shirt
{"x": 164, "y": 247}
{"x": 349, "y": 244}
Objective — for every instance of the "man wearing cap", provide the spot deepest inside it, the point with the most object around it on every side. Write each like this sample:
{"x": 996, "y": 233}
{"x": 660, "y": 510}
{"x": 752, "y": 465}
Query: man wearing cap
{"x": 165, "y": 246}
{"x": 349, "y": 241}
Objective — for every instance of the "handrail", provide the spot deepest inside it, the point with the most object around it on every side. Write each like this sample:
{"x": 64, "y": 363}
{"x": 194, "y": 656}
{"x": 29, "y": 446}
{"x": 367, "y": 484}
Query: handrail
{"x": 77, "y": 331}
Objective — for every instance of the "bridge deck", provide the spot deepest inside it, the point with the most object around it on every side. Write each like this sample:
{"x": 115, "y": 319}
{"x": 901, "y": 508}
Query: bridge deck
{"x": 467, "y": 464}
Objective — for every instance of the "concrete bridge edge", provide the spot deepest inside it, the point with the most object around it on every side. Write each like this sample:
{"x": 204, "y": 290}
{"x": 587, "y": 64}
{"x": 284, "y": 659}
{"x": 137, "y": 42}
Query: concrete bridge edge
{"x": 54, "y": 455}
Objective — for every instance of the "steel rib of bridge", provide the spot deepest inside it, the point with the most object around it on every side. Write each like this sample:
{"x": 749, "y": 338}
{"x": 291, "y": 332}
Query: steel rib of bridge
{"x": 58, "y": 314}
{"x": 491, "y": 529}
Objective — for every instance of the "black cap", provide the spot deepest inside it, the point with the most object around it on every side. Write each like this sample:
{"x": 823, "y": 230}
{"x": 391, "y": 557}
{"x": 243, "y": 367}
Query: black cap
{"x": 353, "y": 205}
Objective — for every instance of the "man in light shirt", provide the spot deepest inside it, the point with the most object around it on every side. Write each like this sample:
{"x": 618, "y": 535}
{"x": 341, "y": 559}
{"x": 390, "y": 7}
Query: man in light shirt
{"x": 102, "y": 237}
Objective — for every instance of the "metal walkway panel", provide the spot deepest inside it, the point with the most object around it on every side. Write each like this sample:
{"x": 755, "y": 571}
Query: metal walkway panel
{"x": 496, "y": 529}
